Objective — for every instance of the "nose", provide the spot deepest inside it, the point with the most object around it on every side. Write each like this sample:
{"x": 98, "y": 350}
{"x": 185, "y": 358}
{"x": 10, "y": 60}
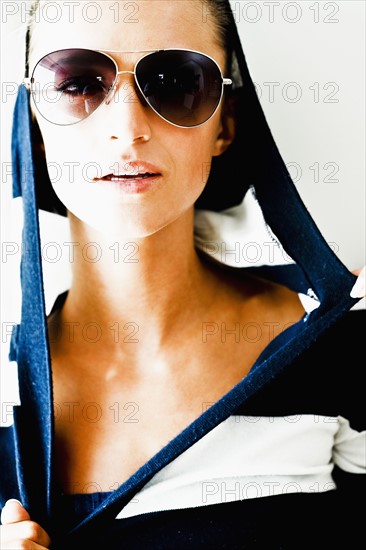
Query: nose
{"x": 127, "y": 111}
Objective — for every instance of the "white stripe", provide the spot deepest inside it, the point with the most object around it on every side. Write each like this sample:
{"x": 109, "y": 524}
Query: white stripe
{"x": 249, "y": 456}
{"x": 349, "y": 451}
{"x": 221, "y": 490}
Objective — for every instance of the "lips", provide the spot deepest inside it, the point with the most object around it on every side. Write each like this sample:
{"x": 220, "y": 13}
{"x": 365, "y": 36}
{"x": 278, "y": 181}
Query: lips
{"x": 126, "y": 177}
{"x": 131, "y": 170}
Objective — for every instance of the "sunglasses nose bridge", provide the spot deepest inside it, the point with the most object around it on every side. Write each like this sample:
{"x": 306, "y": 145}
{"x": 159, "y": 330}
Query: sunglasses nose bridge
{"x": 118, "y": 73}
{"x": 125, "y": 72}
{"x": 115, "y": 86}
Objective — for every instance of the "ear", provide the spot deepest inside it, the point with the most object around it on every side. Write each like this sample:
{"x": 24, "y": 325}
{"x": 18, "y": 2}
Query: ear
{"x": 227, "y": 129}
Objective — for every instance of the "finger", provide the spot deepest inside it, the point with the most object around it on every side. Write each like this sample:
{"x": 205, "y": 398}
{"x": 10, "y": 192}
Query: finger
{"x": 13, "y": 512}
{"x": 358, "y": 291}
{"x": 26, "y": 531}
{"x": 35, "y": 533}
{"x": 28, "y": 545}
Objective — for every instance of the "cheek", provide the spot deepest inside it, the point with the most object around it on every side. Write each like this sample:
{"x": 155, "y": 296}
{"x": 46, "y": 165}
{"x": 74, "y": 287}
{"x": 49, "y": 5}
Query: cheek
{"x": 71, "y": 156}
{"x": 196, "y": 149}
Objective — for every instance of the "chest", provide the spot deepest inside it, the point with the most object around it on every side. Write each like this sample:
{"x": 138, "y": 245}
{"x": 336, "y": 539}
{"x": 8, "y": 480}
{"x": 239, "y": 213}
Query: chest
{"x": 107, "y": 426}
{"x": 106, "y": 430}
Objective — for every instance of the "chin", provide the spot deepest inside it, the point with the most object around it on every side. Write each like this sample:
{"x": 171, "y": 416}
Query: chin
{"x": 120, "y": 225}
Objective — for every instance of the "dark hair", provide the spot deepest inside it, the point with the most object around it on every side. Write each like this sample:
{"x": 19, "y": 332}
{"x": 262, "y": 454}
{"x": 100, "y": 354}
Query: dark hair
{"x": 224, "y": 168}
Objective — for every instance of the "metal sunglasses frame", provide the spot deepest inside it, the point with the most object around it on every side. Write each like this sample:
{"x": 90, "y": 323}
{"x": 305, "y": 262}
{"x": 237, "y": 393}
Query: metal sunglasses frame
{"x": 28, "y": 81}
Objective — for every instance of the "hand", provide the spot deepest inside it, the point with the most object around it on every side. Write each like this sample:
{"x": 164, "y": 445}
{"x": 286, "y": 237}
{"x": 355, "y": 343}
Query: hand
{"x": 358, "y": 291}
{"x": 18, "y": 532}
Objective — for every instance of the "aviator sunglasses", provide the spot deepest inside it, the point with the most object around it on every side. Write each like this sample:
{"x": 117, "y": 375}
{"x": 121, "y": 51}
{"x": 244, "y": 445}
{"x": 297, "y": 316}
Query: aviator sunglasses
{"x": 183, "y": 87}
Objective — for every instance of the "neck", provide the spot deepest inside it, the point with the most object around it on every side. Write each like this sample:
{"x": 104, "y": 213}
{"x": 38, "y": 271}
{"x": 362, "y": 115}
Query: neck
{"x": 151, "y": 282}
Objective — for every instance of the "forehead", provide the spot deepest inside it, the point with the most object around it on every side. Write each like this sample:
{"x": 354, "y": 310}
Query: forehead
{"x": 123, "y": 25}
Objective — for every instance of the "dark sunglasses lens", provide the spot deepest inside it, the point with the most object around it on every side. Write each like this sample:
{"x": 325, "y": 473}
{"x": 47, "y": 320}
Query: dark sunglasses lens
{"x": 183, "y": 87}
{"x": 69, "y": 85}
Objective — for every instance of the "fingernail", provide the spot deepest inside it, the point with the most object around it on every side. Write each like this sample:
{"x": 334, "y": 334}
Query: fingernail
{"x": 358, "y": 291}
{"x": 13, "y": 500}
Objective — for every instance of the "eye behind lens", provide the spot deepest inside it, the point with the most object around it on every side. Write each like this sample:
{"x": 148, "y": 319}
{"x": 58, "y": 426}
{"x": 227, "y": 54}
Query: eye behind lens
{"x": 183, "y": 87}
{"x": 72, "y": 83}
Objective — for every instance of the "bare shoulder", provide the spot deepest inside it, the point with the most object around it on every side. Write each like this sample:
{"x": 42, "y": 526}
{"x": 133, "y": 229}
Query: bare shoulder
{"x": 276, "y": 296}
{"x": 256, "y": 297}
{"x": 247, "y": 314}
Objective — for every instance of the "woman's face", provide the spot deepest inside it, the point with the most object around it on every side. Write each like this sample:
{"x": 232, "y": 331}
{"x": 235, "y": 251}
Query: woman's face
{"x": 125, "y": 130}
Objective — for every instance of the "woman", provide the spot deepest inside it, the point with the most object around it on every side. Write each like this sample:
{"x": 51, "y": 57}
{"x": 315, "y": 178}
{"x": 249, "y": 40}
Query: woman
{"x": 158, "y": 408}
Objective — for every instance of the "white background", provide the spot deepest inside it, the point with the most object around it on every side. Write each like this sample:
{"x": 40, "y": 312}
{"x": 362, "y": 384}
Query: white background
{"x": 311, "y": 56}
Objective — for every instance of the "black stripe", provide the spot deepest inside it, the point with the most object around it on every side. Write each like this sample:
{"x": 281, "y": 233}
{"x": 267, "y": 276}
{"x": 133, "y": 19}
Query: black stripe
{"x": 327, "y": 379}
{"x": 284, "y": 522}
